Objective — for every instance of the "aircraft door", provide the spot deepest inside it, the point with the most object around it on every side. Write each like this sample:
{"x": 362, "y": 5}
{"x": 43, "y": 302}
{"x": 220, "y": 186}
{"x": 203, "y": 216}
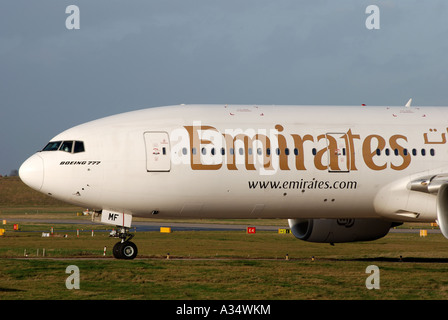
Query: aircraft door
{"x": 158, "y": 153}
{"x": 338, "y": 153}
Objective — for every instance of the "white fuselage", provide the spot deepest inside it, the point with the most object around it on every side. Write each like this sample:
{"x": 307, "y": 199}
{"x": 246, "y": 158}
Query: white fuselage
{"x": 219, "y": 161}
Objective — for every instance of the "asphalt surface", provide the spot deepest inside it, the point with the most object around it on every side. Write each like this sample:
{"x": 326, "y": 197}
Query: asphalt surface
{"x": 184, "y": 226}
{"x": 155, "y": 226}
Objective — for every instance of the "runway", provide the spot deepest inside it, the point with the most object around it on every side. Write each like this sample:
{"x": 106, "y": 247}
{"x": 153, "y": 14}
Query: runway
{"x": 156, "y": 225}
{"x": 185, "y": 226}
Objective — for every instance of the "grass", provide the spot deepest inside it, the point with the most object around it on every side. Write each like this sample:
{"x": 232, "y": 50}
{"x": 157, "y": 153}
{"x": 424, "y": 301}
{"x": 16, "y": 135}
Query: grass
{"x": 14, "y": 193}
{"x": 223, "y": 265}
{"x": 218, "y": 280}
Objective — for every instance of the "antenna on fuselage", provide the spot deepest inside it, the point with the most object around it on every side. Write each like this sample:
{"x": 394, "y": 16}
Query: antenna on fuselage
{"x": 408, "y": 105}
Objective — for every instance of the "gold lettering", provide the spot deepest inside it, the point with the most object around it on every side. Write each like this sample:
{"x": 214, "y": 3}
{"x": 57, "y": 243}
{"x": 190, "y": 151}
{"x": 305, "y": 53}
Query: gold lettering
{"x": 349, "y": 137}
{"x": 282, "y": 146}
{"x": 368, "y": 154}
{"x": 248, "y": 143}
{"x": 372, "y": 143}
{"x": 195, "y": 142}
{"x": 395, "y": 146}
{"x": 319, "y": 155}
{"x": 299, "y": 153}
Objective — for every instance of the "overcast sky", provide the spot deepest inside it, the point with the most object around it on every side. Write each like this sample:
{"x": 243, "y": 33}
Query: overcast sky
{"x": 133, "y": 54}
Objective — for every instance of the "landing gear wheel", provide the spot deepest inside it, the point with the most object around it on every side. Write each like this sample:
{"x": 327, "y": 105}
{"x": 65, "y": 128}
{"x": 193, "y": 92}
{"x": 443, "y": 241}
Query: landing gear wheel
{"x": 117, "y": 250}
{"x": 128, "y": 250}
{"x": 125, "y": 250}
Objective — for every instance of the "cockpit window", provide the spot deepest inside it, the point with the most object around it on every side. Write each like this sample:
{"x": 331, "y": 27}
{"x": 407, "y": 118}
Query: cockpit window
{"x": 67, "y": 146}
{"x": 52, "y": 146}
{"x": 79, "y": 147}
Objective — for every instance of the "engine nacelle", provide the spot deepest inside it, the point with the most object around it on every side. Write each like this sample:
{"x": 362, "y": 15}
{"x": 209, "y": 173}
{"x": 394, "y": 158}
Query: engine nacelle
{"x": 339, "y": 230}
{"x": 442, "y": 209}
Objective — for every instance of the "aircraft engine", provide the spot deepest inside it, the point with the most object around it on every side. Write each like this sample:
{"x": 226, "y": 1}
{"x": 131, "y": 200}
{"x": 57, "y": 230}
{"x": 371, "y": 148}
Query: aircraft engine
{"x": 339, "y": 230}
{"x": 442, "y": 209}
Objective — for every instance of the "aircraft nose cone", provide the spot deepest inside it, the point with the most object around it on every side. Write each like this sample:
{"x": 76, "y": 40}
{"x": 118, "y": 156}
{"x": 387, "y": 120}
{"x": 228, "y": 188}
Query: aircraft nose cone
{"x": 32, "y": 172}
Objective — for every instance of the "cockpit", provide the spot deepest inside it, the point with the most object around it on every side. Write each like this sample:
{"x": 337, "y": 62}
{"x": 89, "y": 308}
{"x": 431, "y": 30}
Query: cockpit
{"x": 66, "y": 146}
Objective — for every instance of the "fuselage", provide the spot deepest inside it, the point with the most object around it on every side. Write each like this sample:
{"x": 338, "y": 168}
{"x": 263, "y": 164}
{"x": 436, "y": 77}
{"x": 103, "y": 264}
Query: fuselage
{"x": 246, "y": 161}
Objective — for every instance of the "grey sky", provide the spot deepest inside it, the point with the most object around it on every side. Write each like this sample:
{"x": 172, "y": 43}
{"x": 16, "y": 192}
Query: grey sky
{"x": 133, "y": 54}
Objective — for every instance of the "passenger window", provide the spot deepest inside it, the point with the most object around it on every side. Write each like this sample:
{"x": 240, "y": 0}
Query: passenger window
{"x": 432, "y": 152}
{"x": 184, "y": 151}
{"x": 79, "y": 147}
{"x": 66, "y": 146}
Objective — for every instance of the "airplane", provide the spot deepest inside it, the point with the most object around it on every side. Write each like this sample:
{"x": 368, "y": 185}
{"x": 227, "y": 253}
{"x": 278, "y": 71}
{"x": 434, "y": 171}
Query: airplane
{"x": 337, "y": 173}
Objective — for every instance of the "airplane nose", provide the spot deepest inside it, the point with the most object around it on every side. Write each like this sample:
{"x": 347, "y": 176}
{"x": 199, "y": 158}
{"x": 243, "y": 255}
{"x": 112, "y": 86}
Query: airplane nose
{"x": 32, "y": 172}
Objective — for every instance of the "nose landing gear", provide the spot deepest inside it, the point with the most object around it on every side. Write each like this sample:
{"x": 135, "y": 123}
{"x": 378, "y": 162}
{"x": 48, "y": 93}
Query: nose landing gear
{"x": 125, "y": 249}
